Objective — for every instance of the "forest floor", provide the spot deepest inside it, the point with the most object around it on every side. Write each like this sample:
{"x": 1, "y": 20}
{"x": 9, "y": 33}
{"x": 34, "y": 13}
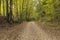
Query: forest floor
{"x": 29, "y": 31}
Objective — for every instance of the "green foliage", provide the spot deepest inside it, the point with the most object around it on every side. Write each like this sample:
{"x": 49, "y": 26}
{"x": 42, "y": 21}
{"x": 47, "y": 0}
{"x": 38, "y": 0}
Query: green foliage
{"x": 49, "y": 10}
{"x": 22, "y": 10}
{"x": 26, "y": 10}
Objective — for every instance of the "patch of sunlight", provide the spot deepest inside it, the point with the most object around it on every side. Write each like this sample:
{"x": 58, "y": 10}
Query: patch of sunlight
{"x": 33, "y": 0}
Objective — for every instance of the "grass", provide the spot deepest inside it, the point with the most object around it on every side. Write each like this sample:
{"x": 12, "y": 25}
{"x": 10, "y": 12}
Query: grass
{"x": 50, "y": 24}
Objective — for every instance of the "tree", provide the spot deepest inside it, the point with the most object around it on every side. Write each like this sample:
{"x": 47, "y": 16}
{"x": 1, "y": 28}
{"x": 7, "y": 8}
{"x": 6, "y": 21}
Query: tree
{"x": 21, "y": 15}
{"x": 0, "y": 7}
{"x": 3, "y": 7}
{"x": 10, "y": 14}
{"x": 7, "y": 10}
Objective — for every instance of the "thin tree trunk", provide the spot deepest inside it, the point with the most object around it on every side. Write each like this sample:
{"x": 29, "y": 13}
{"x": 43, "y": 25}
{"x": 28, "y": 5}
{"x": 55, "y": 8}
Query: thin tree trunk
{"x": 0, "y": 7}
{"x": 27, "y": 13}
{"x": 3, "y": 9}
{"x": 27, "y": 10}
{"x": 7, "y": 11}
{"x": 10, "y": 14}
{"x": 17, "y": 10}
{"x": 21, "y": 15}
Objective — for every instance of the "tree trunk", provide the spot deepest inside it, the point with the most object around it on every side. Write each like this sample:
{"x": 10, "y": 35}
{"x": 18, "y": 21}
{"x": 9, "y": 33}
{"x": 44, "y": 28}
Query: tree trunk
{"x": 0, "y": 7}
{"x": 21, "y": 15}
{"x": 7, "y": 11}
{"x": 10, "y": 14}
{"x": 3, "y": 9}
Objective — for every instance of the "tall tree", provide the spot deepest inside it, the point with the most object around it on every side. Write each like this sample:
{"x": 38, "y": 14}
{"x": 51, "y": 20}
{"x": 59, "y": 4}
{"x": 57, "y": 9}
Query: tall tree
{"x": 4, "y": 7}
{"x": 7, "y": 10}
{"x": 21, "y": 15}
{"x": 10, "y": 14}
{"x": 0, "y": 7}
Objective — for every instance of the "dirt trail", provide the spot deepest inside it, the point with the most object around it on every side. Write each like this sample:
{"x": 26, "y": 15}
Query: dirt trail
{"x": 30, "y": 31}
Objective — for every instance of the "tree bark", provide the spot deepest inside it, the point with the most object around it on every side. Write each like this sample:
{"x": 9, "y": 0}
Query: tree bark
{"x": 3, "y": 9}
{"x": 10, "y": 14}
{"x": 7, "y": 14}
{"x": 0, "y": 7}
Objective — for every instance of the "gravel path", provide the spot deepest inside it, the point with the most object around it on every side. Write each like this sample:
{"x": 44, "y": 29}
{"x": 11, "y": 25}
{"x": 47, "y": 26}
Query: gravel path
{"x": 30, "y": 31}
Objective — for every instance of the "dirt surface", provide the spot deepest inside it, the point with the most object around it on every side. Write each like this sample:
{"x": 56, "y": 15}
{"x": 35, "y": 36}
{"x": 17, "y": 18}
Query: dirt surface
{"x": 29, "y": 31}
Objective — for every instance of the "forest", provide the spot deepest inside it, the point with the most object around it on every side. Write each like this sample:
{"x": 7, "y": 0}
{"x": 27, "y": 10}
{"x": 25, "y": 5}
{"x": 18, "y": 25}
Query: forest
{"x": 30, "y": 10}
{"x": 29, "y": 19}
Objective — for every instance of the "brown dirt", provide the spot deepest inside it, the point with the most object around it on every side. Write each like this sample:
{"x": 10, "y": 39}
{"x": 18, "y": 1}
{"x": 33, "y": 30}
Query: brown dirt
{"x": 29, "y": 31}
{"x": 2, "y": 19}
